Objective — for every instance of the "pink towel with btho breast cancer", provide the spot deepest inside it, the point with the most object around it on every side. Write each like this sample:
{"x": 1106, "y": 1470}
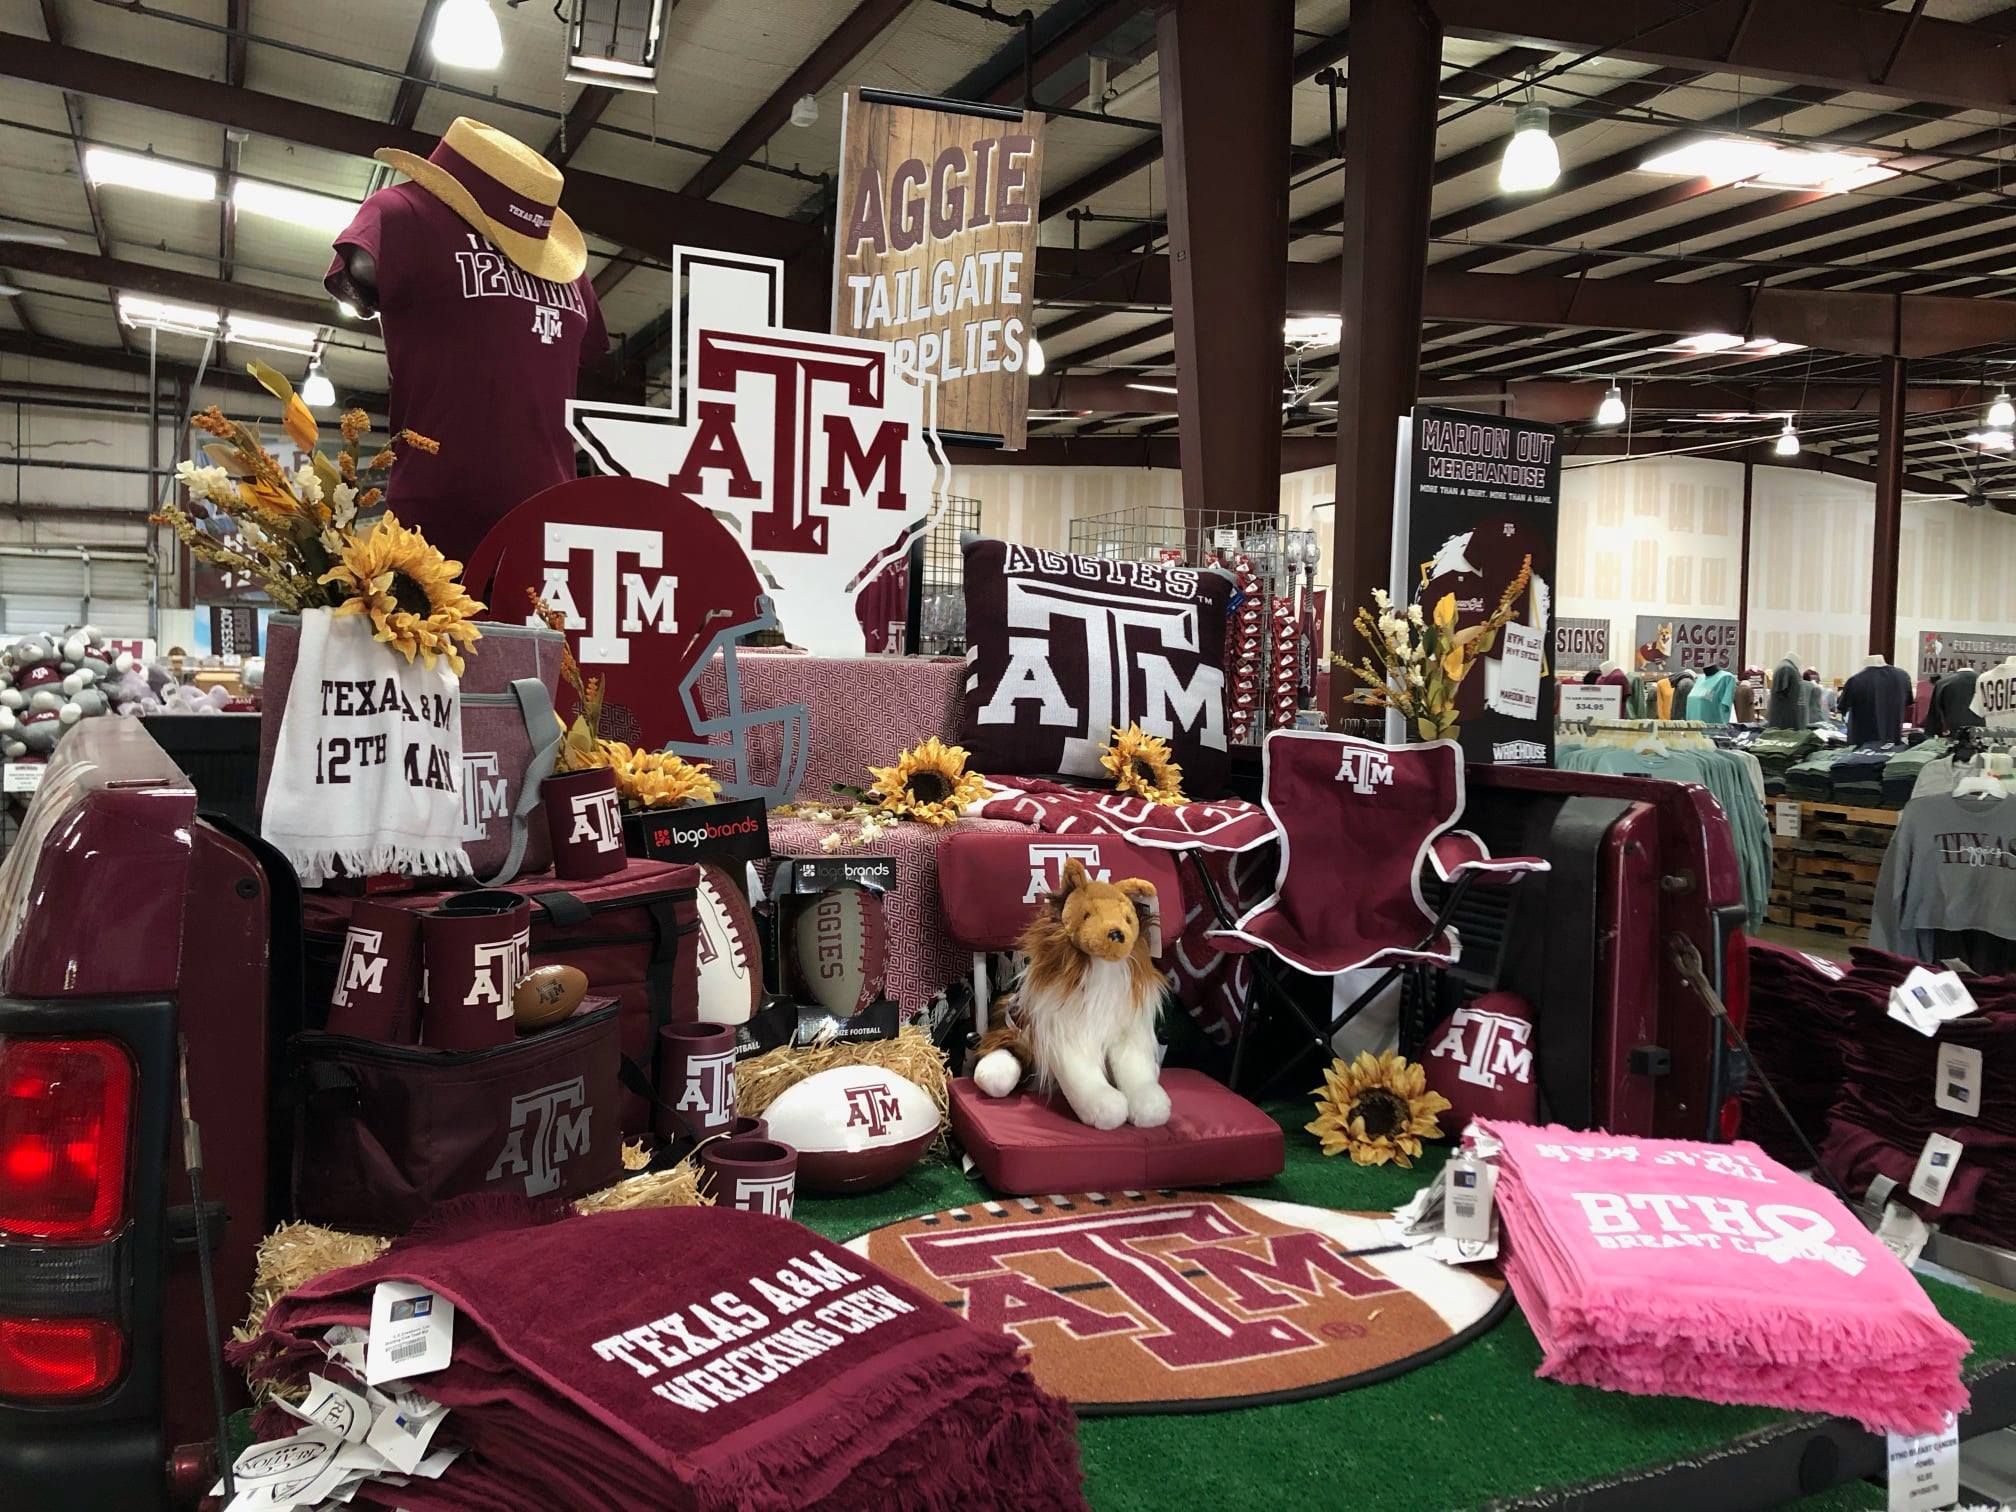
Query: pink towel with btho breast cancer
{"x": 1665, "y": 1267}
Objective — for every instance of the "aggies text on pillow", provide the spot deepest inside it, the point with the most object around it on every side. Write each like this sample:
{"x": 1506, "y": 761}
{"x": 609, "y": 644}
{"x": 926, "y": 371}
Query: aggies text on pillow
{"x": 1062, "y": 650}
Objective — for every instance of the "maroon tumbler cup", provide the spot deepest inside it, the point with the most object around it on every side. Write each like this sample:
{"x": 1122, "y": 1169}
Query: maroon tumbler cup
{"x": 586, "y": 823}
{"x": 696, "y": 1080}
{"x": 758, "y": 1175}
{"x": 377, "y": 994}
{"x": 476, "y": 953}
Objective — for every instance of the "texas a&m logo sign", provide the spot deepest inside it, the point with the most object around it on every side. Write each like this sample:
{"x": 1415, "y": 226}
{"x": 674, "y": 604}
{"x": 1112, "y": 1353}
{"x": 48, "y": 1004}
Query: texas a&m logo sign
{"x": 362, "y": 968}
{"x": 549, "y": 1127}
{"x": 815, "y": 449}
{"x": 872, "y": 1109}
{"x": 1366, "y": 771}
{"x": 1488, "y": 1049}
{"x": 1047, "y": 860}
{"x": 1185, "y": 1298}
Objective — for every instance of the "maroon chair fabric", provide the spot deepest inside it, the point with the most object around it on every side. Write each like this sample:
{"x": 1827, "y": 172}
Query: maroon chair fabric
{"x": 994, "y": 884}
{"x": 1359, "y": 823}
{"x": 1027, "y": 1145}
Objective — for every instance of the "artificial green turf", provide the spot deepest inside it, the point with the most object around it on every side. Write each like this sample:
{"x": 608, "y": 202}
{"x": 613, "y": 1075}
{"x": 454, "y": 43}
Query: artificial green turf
{"x": 1458, "y": 1433}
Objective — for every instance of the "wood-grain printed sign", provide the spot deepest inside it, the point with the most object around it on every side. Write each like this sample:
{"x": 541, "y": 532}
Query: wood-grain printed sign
{"x": 935, "y": 249}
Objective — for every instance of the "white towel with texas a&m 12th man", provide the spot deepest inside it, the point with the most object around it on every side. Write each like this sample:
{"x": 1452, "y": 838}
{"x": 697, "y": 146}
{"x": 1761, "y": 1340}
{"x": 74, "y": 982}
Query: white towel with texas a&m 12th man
{"x": 369, "y": 756}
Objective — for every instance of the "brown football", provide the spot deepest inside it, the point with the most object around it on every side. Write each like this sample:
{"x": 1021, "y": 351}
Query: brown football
{"x": 547, "y": 994}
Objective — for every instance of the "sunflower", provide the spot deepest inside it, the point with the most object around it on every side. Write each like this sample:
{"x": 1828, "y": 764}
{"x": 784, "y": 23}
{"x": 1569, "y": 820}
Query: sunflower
{"x": 928, "y": 782}
{"x": 413, "y": 596}
{"x": 647, "y": 779}
{"x": 1142, "y": 764}
{"x": 1377, "y": 1109}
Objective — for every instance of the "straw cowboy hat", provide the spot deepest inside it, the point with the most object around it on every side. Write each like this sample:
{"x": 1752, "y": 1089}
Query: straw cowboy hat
{"x": 505, "y": 190}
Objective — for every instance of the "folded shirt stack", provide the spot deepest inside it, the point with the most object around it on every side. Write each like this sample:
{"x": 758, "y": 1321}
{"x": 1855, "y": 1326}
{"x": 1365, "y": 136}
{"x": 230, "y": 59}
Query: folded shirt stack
{"x": 1888, "y": 1105}
{"x": 693, "y": 1358}
{"x": 1799, "y": 1017}
{"x": 1667, "y": 1267}
{"x": 1858, "y": 775}
{"x": 1813, "y": 778}
{"x": 1778, "y": 750}
{"x": 1900, "y": 772}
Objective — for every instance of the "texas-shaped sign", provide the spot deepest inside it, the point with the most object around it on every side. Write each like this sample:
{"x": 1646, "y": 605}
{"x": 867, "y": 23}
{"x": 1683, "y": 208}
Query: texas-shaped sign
{"x": 816, "y": 450}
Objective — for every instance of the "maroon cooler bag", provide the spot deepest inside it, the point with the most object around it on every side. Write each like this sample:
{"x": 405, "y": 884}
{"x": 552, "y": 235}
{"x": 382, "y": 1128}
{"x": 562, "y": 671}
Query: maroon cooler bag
{"x": 386, "y": 1131}
{"x": 634, "y": 934}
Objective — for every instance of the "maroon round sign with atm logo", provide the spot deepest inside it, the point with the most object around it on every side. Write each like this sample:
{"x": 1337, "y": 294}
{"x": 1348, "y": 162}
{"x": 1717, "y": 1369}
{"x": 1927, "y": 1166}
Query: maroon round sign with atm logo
{"x": 646, "y": 578}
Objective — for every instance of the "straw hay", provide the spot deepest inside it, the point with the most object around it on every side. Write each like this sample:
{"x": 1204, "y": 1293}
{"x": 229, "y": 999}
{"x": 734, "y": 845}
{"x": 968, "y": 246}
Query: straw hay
{"x": 762, "y": 1079}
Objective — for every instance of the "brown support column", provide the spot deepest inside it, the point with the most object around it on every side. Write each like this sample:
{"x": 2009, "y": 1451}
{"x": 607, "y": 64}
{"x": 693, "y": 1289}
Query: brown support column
{"x": 1226, "y": 75}
{"x": 1389, "y": 142}
{"x": 1743, "y": 577}
{"x": 1889, "y": 512}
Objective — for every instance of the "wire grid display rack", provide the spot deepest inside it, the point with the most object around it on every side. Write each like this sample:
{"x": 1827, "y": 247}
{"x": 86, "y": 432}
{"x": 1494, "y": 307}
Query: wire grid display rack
{"x": 941, "y": 616}
{"x": 1274, "y": 564}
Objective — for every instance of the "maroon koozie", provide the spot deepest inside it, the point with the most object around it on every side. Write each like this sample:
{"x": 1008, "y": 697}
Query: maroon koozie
{"x": 377, "y": 993}
{"x": 696, "y": 1079}
{"x": 1481, "y": 1059}
{"x": 476, "y": 950}
{"x": 757, "y": 1175}
{"x": 586, "y": 823}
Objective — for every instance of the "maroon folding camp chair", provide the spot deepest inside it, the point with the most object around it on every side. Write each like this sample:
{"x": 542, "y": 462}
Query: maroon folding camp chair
{"x": 1361, "y": 826}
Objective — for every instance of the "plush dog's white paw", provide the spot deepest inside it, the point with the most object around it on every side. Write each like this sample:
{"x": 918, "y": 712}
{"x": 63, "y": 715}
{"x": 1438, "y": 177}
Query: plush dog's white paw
{"x": 1148, "y": 1108}
{"x": 998, "y": 1073}
{"x": 1103, "y": 1108}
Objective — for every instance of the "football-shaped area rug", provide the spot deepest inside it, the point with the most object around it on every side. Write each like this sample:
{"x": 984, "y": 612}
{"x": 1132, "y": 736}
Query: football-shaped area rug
{"x": 1191, "y": 1301}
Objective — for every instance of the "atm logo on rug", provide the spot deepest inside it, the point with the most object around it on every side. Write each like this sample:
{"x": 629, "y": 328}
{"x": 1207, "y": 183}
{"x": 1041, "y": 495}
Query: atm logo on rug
{"x": 1143, "y": 1299}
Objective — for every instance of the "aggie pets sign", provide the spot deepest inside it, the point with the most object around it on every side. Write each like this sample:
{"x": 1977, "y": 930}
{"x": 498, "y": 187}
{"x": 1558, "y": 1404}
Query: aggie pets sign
{"x": 936, "y": 250}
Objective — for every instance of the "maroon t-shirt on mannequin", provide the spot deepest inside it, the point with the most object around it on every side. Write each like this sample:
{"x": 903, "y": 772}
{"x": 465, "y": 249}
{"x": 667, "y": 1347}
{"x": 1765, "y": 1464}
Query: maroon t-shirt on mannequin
{"x": 484, "y": 358}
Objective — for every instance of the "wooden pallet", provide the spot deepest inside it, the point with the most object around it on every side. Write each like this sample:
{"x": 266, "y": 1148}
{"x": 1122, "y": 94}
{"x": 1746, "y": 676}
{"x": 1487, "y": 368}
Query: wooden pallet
{"x": 1845, "y": 814}
{"x": 1850, "y": 929}
{"x": 1838, "y": 868}
{"x": 1862, "y": 835}
{"x": 1863, "y": 893}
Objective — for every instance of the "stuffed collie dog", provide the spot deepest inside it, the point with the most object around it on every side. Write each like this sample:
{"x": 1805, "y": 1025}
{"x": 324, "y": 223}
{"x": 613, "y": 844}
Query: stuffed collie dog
{"x": 1084, "y": 1018}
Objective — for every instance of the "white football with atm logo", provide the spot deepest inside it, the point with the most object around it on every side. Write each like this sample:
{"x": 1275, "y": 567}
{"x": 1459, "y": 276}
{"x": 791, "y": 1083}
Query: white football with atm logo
{"x": 841, "y": 946}
{"x": 731, "y": 975}
{"x": 854, "y": 1127}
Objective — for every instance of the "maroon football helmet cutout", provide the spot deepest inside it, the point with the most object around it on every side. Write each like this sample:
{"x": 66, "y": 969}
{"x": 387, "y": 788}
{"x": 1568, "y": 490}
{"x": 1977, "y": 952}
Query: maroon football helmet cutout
{"x": 652, "y": 588}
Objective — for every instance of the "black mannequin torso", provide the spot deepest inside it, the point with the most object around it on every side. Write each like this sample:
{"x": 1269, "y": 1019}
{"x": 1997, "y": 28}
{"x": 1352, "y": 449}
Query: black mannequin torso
{"x": 360, "y": 277}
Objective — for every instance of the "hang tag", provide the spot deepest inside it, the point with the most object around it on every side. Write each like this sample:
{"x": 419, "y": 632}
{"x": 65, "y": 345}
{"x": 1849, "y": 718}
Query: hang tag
{"x": 412, "y": 1332}
{"x": 1957, "y": 1086}
{"x": 330, "y": 1406}
{"x": 1467, "y": 1202}
{"x": 1934, "y": 1172}
{"x": 405, "y": 1425}
{"x": 1925, "y": 1469}
{"x": 1903, "y": 1233}
{"x": 1879, "y": 1192}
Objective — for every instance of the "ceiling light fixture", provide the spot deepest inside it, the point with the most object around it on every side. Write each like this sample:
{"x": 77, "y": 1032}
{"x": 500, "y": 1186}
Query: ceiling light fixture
{"x": 466, "y": 35}
{"x": 1707, "y": 341}
{"x": 1155, "y": 388}
{"x": 1532, "y": 162}
{"x": 615, "y": 43}
{"x": 1787, "y": 444}
{"x": 250, "y": 330}
{"x": 1036, "y": 363}
{"x": 805, "y": 111}
{"x": 1611, "y": 410}
{"x": 1312, "y": 330}
{"x": 2001, "y": 414}
{"x": 313, "y": 212}
{"x": 144, "y": 314}
{"x": 317, "y": 392}
{"x": 1993, "y": 440}
{"x": 1725, "y": 161}
{"x": 132, "y": 170}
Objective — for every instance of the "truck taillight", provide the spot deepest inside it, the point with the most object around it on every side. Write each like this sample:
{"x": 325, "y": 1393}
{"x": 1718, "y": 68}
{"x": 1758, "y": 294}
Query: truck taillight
{"x": 66, "y": 1109}
{"x": 59, "y": 1359}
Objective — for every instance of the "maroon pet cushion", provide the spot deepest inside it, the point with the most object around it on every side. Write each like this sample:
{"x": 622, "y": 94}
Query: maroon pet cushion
{"x": 995, "y": 884}
{"x": 1031, "y": 1146}
{"x": 1481, "y": 1059}
{"x": 1062, "y": 649}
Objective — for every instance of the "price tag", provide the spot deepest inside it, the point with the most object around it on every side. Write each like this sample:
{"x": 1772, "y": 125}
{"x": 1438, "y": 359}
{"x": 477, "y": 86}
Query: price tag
{"x": 1957, "y": 1087}
{"x": 1786, "y": 815}
{"x": 1925, "y": 1469}
{"x": 1934, "y": 1171}
{"x": 412, "y": 1332}
{"x": 1903, "y": 1233}
{"x": 22, "y": 776}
